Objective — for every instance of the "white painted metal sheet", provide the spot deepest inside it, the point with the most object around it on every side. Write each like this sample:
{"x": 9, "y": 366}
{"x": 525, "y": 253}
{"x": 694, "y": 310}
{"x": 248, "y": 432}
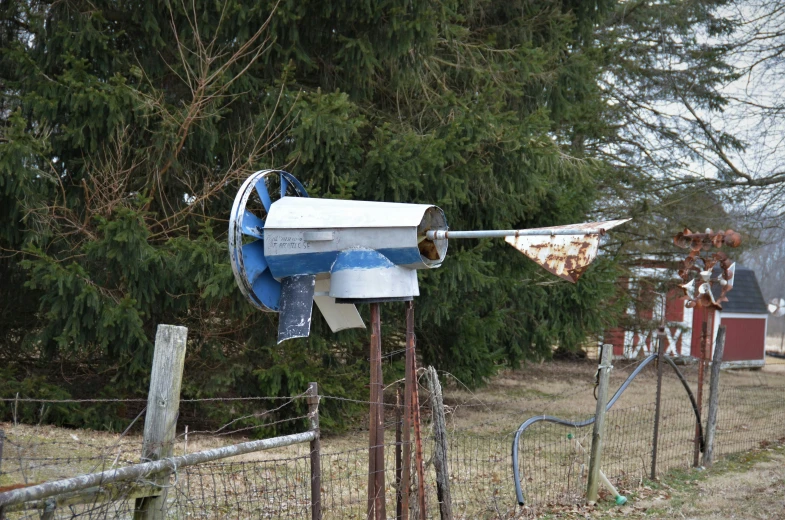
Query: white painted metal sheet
{"x": 339, "y": 316}
{"x": 312, "y": 213}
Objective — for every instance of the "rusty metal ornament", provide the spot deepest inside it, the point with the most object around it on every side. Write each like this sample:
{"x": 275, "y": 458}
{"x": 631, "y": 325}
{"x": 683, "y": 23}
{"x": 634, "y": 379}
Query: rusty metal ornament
{"x": 566, "y": 256}
{"x": 696, "y": 271}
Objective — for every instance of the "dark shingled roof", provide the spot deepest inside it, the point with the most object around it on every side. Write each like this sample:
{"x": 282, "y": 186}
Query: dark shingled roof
{"x": 745, "y": 297}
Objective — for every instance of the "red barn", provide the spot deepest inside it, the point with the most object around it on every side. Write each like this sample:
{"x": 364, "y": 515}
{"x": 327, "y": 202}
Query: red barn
{"x": 744, "y": 316}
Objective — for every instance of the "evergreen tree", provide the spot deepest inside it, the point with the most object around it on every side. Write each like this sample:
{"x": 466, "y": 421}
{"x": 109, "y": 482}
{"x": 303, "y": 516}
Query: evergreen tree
{"x": 128, "y": 126}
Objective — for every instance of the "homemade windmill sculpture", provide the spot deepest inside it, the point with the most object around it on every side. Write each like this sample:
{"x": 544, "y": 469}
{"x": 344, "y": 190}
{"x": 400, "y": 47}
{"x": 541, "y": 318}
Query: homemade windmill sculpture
{"x": 288, "y": 251}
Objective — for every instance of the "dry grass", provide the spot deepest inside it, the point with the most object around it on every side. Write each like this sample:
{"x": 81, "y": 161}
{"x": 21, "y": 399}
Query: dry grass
{"x": 275, "y": 484}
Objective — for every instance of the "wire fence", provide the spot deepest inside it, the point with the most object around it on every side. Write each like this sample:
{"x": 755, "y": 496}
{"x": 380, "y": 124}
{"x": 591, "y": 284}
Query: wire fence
{"x": 277, "y": 484}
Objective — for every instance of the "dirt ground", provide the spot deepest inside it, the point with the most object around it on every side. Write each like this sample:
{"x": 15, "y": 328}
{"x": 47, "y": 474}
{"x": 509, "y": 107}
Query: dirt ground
{"x": 480, "y": 423}
{"x": 747, "y": 486}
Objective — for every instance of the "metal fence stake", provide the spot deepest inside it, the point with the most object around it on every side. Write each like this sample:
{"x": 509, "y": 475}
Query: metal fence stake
{"x": 440, "y": 450}
{"x": 163, "y": 405}
{"x": 714, "y": 397}
{"x": 316, "y": 455}
{"x": 657, "y": 401}
{"x": 598, "y": 435}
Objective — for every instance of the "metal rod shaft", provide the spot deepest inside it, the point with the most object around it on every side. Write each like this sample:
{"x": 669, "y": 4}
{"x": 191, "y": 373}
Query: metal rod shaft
{"x": 437, "y": 234}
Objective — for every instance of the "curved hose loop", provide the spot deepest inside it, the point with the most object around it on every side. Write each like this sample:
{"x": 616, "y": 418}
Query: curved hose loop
{"x": 590, "y": 420}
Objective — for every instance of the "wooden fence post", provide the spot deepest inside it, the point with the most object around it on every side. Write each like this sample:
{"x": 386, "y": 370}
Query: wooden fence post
{"x": 599, "y": 425}
{"x": 714, "y": 397}
{"x": 316, "y": 453}
{"x": 440, "y": 451}
{"x": 163, "y": 406}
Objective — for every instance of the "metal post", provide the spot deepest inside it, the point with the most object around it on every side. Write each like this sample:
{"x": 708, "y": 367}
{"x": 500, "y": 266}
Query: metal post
{"x": 714, "y": 397}
{"x": 376, "y": 502}
{"x": 417, "y": 428}
{"x": 440, "y": 449}
{"x": 408, "y": 393}
{"x": 599, "y": 425}
{"x": 657, "y": 401}
{"x": 705, "y": 335}
{"x": 163, "y": 405}
{"x": 398, "y": 457}
{"x": 316, "y": 455}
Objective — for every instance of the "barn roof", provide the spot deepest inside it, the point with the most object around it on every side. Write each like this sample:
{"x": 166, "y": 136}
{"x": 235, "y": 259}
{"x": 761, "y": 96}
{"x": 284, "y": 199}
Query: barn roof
{"x": 745, "y": 297}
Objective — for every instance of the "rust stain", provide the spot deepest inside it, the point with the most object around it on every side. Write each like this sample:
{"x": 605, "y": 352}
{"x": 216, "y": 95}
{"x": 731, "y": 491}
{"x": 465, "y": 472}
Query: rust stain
{"x": 697, "y": 290}
{"x": 566, "y": 256}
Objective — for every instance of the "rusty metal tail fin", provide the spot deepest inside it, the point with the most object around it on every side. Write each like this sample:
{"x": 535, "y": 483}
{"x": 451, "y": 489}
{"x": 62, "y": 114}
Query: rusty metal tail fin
{"x": 566, "y": 256}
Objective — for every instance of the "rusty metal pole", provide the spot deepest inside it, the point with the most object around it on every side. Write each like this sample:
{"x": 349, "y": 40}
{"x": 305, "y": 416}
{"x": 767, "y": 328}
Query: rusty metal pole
{"x": 398, "y": 457}
{"x": 415, "y": 407}
{"x": 372, "y": 431}
{"x": 381, "y": 512}
{"x": 418, "y": 447}
{"x": 408, "y": 393}
{"x": 705, "y": 334}
{"x": 376, "y": 504}
{"x": 658, "y": 400}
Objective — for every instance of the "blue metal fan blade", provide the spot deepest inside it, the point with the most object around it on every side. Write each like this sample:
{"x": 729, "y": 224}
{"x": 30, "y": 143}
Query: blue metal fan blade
{"x": 284, "y": 185}
{"x": 252, "y": 225}
{"x": 253, "y": 260}
{"x": 261, "y": 189}
{"x": 267, "y": 289}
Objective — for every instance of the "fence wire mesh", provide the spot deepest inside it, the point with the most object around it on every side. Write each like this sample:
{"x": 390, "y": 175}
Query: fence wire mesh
{"x": 553, "y": 458}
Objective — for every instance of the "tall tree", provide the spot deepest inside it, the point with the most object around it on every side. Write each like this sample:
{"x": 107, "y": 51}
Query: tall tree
{"x": 127, "y": 127}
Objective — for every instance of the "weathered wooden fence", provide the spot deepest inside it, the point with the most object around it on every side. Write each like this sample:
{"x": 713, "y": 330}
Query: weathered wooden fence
{"x": 148, "y": 481}
{"x": 468, "y": 473}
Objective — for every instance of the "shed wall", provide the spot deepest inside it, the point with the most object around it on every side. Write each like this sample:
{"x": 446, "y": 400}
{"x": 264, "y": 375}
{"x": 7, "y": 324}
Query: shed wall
{"x": 745, "y": 338}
